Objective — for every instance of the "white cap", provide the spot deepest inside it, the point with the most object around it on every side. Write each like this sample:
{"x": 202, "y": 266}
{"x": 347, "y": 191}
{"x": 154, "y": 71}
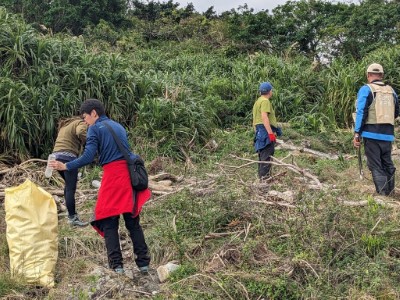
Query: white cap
{"x": 375, "y": 68}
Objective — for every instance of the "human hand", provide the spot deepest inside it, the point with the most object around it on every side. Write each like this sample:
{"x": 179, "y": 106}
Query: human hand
{"x": 272, "y": 137}
{"x": 356, "y": 140}
{"x": 57, "y": 165}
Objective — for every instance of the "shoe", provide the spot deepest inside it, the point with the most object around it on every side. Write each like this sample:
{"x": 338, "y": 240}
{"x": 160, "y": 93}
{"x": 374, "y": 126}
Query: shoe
{"x": 75, "y": 221}
{"x": 144, "y": 269}
{"x": 119, "y": 270}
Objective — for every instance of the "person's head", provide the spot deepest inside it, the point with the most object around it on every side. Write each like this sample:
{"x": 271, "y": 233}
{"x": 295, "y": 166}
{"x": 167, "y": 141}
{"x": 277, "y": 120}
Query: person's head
{"x": 374, "y": 72}
{"x": 265, "y": 89}
{"x": 91, "y": 110}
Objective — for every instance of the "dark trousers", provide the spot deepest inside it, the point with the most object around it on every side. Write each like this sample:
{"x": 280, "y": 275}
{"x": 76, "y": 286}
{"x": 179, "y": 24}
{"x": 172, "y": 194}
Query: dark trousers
{"x": 70, "y": 179}
{"x": 264, "y": 170}
{"x": 379, "y": 161}
{"x": 110, "y": 228}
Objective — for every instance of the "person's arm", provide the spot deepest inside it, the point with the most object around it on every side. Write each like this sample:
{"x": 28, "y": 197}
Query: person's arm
{"x": 361, "y": 106}
{"x": 265, "y": 110}
{"x": 265, "y": 119}
{"x": 396, "y": 105}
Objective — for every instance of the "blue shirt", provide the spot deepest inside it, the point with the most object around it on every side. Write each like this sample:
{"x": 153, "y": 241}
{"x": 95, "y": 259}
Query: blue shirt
{"x": 99, "y": 140}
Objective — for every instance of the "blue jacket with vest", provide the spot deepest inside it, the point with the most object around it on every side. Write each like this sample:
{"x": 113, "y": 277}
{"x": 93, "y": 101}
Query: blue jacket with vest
{"x": 99, "y": 140}
{"x": 383, "y": 132}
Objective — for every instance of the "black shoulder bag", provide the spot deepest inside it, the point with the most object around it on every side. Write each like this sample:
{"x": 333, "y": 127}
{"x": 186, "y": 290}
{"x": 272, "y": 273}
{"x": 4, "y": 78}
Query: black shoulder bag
{"x": 137, "y": 170}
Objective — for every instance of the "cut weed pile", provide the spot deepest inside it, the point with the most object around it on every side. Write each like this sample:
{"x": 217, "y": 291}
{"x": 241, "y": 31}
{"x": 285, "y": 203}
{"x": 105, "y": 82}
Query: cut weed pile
{"x": 313, "y": 231}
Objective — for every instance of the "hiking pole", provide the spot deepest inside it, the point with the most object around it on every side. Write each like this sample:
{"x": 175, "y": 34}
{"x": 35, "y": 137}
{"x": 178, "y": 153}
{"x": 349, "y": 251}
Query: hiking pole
{"x": 360, "y": 167}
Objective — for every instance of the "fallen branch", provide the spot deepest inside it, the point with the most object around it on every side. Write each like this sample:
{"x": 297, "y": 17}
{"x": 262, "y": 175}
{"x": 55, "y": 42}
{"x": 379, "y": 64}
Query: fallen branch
{"x": 33, "y": 160}
{"x": 282, "y": 145}
{"x": 392, "y": 204}
{"x": 57, "y": 192}
{"x": 164, "y": 176}
{"x": 4, "y": 171}
{"x": 215, "y": 235}
{"x": 283, "y": 204}
{"x": 276, "y": 162}
{"x": 140, "y": 292}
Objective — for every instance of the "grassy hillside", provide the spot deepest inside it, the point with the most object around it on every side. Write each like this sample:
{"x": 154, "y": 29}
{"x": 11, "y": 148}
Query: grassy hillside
{"x": 171, "y": 95}
{"x": 236, "y": 238}
{"x": 313, "y": 231}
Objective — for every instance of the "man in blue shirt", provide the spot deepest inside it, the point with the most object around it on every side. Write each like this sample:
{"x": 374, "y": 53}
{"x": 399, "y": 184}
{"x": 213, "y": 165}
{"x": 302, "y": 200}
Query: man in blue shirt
{"x": 116, "y": 195}
{"x": 376, "y": 109}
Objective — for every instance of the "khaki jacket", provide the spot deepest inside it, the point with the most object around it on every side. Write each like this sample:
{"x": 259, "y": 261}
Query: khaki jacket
{"x": 71, "y": 137}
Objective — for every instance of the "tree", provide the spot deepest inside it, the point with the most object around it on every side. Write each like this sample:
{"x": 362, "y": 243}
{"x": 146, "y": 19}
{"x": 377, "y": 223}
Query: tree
{"x": 250, "y": 30}
{"x": 70, "y": 15}
{"x": 304, "y": 24}
{"x": 210, "y": 13}
{"x": 372, "y": 24}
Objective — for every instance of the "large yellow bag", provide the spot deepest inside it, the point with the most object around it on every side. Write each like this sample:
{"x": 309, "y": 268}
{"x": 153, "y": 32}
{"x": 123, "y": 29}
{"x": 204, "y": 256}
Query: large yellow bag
{"x": 32, "y": 233}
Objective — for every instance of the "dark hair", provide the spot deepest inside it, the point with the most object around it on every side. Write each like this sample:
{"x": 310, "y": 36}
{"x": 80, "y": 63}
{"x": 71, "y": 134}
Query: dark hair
{"x": 92, "y": 104}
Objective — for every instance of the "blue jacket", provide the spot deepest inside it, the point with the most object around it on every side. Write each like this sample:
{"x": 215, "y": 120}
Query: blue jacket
{"x": 100, "y": 141}
{"x": 261, "y": 139}
{"x": 383, "y": 132}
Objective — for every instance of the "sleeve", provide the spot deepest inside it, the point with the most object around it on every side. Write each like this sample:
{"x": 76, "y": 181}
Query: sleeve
{"x": 396, "y": 105}
{"x": 361, "y": 107}
{"x": 89, "y": 152}
{"x": 266, "y": 106}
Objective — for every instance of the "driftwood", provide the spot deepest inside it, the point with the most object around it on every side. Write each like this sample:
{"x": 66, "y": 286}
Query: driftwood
{"x": 272, "y": 203}
{"x": 215, "y": 235}
{"x": 392, "y": 204}
{"x": 6, "y": 170}
{"x": 276, "y": 162}
{"x": 282, "y": 145}
{"x": 165, "y": 176}
{"x": 57, "y": 192}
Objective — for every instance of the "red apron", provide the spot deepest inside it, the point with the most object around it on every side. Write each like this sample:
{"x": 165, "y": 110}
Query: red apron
{"x": 116, "y": 194}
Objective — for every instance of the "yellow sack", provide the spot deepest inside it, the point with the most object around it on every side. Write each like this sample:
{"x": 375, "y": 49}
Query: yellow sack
{"x": 32, "y": 233}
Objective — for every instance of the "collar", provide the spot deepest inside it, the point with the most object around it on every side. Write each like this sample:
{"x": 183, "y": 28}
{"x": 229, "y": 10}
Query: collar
{"x": 378, "y": 82}
{"x": 101, "y": 119}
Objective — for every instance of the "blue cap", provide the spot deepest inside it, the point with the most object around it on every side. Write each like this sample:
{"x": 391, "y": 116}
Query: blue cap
{"x": 265, "y": 87}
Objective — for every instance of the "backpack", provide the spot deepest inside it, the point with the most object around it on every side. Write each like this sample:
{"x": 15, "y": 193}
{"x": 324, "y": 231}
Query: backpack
{"x": 138, "y": 174}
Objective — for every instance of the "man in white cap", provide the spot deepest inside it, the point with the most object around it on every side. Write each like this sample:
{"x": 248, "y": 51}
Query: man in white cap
{"x": 376, "y": 109}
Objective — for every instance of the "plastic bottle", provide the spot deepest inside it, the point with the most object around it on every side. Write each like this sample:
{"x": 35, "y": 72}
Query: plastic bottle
{"x": 49, "y": 170}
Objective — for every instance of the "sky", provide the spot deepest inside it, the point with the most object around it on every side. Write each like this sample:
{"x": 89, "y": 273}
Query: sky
{"x": 225, "y": 5}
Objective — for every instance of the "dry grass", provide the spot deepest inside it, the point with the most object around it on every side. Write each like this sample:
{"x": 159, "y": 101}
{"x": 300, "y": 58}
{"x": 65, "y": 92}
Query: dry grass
{"x": 237, "y": 240}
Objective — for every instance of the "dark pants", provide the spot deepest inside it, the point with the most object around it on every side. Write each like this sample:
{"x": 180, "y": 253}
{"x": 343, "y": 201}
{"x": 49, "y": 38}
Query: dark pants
{"x": 71, "y": 179}
{"x": 379, "y": 161}
{"x": 110, "y": 228}
{"x": 264, "y": 170}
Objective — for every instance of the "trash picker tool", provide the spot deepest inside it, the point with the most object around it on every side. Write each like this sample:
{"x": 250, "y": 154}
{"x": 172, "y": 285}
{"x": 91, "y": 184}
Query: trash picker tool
{"x": 360, "y": 167}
